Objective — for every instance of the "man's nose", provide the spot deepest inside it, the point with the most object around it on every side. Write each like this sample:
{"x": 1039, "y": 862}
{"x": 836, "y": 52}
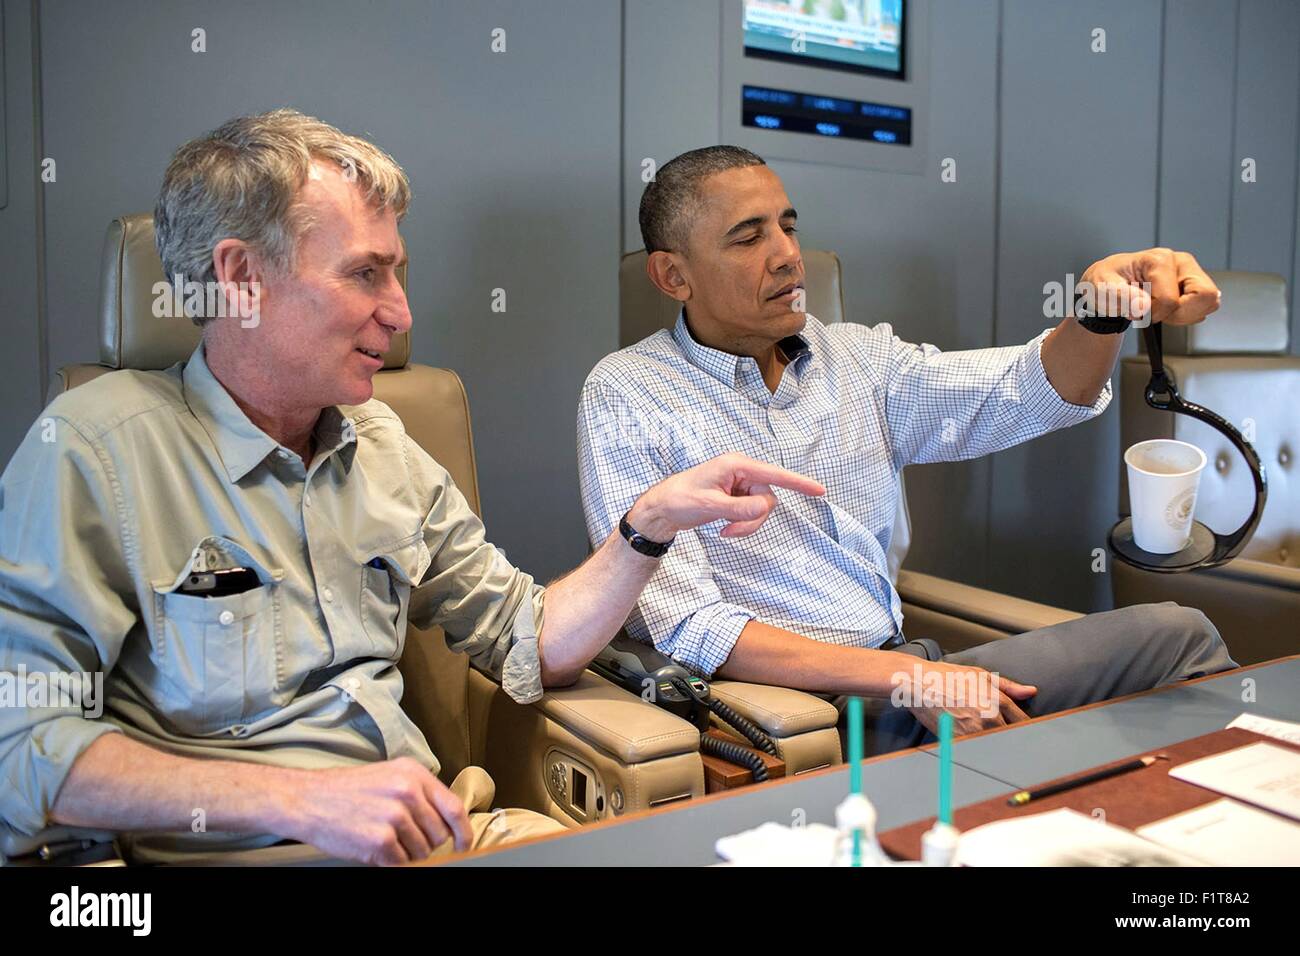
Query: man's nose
{"x": 785, "y": 255}
{"x": 393, "y": 310}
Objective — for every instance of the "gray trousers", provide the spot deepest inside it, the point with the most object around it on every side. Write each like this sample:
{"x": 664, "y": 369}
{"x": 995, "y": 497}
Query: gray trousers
{"x": 1090, "y": 659}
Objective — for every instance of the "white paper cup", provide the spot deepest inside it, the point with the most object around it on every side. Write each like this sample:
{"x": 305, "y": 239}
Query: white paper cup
{"x": 1163, "y": 475}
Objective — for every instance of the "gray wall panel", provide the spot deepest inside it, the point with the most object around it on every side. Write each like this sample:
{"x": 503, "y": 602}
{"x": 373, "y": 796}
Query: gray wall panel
{"x": 4, "y": 149}
{"x": 1295, "y": 270}
{"x": 1079, "y": 134}
{"x": 1196, "y": 161}
{"x": 1268, "y": 65}
{"x": 670, "y": 85}
{"x": 513, "y": 159}
{"x": 20, "y": 374}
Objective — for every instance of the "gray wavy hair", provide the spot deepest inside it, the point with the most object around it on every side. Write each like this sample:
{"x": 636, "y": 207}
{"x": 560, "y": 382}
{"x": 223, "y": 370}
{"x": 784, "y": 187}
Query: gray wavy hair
{"x": 242, "y": 181}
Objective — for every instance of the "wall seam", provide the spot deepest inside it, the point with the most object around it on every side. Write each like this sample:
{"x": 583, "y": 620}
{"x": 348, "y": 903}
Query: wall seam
{"x": 622, "y": 145}
{"x": 1232, "y": 158}
{"x": 1294, "y": 348}
{"x": 38, "y": 147}
{"x": 722, "y": 93}
{"x": 984, "y": 578}
{"x": 4, "y": 116}
{"x": 1160, "y": 121}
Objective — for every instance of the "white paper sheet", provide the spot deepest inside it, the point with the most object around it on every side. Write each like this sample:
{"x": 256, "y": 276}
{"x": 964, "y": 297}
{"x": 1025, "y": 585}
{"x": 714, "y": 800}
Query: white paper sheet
{"x": 1062, "y": 837}
{"x": 1263, "y": 774}
{"x": 773, "y": 844}
{"x": 1228, "y": 833}
{"x": 1268, "y": 726}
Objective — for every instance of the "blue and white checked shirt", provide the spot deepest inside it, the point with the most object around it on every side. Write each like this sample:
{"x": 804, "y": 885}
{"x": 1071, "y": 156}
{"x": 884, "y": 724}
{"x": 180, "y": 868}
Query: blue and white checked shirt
{"x": 854, "y": 406}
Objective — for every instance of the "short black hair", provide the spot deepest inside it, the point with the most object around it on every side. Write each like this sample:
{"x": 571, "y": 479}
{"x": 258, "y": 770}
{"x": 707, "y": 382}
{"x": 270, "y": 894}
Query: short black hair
{"x": 672, "y": 198}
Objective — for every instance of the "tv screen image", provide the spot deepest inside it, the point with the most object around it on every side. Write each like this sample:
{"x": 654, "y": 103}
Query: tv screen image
{"x": 858, "y": 35}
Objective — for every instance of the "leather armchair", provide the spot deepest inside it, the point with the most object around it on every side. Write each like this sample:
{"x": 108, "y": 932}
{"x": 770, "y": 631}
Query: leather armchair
{"x": 1237, "y": 365}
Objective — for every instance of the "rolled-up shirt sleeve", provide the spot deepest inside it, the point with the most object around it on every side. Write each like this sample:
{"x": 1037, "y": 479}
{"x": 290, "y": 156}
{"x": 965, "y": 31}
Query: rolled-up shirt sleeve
{"x": 681, "y": 611}
{"x": 1041, "y": 397}
{"x": 951, "y": 406}
{"x": 66, "y": 607}
{"x": 487, "y": 607}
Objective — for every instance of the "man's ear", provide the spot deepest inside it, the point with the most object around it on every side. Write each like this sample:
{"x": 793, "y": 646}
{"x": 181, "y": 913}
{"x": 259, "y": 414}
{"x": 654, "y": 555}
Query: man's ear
{"x": 665, "y": 271}
{"x": 240, "y": 273}
{"x": 232, "y": 261}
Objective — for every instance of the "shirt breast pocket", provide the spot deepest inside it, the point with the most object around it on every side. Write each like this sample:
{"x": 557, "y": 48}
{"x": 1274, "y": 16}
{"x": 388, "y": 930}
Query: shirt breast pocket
{"x": 220, "y": 657}
{"x": 387, "y": 577}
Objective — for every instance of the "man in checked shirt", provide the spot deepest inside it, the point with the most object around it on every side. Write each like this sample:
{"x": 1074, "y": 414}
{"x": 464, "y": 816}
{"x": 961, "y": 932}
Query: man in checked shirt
{"x": 808, "y": 602}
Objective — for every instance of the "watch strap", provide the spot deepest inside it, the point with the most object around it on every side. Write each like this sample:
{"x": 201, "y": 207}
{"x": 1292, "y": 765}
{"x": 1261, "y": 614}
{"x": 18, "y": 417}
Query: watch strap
{"x": 1099, "y": 324}
{"x": 640, "y": 543}
{"x": 1103, "y": 325}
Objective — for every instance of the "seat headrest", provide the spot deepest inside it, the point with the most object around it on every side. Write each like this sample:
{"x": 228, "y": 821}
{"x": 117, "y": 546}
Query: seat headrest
{"x": 131, "y": 336}
{"x": 1252, "y": 319}
{"x": 644, "y": 310}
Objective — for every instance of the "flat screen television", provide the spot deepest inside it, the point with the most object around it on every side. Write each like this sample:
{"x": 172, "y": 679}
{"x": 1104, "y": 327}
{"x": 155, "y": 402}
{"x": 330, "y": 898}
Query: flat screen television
{"x": 861, "y": 36}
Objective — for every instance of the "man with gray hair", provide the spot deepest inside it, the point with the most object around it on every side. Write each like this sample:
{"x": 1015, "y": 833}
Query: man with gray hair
{"x": 239, "y": 542}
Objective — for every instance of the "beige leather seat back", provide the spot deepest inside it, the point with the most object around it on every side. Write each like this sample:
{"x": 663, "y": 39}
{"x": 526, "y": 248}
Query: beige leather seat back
{"x": 1235, "y": 364}
{"x": 431, "y": 403}
{"x": 644, "y": 310}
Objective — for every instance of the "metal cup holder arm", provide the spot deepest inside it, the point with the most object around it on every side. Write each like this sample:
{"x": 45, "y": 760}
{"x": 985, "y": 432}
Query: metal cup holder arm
{"x": 1162, "y": 394}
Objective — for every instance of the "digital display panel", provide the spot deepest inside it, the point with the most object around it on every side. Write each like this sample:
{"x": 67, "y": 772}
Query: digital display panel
{"x": 859, "y": 35}
{"x": 831, "y": 116}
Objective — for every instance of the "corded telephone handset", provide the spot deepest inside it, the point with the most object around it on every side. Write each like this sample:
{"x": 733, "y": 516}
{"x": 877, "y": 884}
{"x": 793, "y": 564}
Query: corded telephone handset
{"x": 640, "y": 669}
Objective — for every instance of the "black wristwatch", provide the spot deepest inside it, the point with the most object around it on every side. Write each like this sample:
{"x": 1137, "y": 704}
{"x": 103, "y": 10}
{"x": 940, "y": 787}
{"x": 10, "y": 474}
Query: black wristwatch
{"x": 640, "y": 543}
{"x": 1100, "y": 324}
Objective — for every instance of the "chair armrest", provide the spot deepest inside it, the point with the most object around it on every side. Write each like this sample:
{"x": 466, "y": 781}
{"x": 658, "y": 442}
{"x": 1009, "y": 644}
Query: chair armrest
{"x": 619, "y": 723}
{"x": 1254, "y": 604}
{"x": 778, "y": 711}
{"x": 1263, "y": 573}
{"x": 631, "y": 754}
{"x": 1001, "y": 612}
{"x": 802, "y": 725}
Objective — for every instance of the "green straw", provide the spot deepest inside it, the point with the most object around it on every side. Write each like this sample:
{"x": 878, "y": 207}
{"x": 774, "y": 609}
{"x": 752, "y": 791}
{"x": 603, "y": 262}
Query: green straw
{"x": 945, "y": 768}
{"x": 855, "y": 766}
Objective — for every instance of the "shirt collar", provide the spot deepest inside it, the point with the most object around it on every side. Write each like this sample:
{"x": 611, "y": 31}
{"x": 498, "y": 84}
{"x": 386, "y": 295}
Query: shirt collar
{"x": 724, "y": 366}
{"x": 241, "y": 445}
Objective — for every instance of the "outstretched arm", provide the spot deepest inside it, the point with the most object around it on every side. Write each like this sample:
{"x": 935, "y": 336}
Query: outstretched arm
{"x": 1170, "y": 286}
{"x": 585, "y": 609}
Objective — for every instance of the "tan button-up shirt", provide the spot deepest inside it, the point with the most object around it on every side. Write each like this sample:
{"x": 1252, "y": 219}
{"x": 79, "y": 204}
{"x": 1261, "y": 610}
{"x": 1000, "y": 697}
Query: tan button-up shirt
{"x": 132, "y": 481}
